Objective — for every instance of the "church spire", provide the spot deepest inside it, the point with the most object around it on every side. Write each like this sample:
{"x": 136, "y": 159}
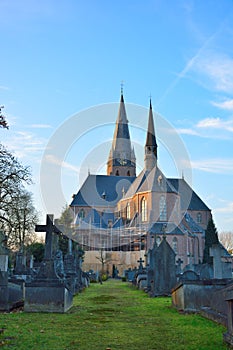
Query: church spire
{"x": 151, "y": 144}
{"x": 121, "y": 159}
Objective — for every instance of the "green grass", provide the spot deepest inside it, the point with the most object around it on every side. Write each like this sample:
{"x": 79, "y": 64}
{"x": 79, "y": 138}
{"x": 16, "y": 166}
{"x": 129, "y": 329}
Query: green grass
{"x": 113, "y": 315}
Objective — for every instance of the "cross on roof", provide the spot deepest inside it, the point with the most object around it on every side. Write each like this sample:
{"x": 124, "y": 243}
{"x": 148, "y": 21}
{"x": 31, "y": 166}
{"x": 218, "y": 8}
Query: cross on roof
{"x": 50, "y": 229}
{"x": 122, "y": 86}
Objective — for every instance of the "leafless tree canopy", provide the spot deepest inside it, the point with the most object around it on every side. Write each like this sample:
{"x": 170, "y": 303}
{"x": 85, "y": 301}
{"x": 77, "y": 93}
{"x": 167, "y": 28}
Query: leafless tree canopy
{"x": 226, "y": 238}
{"x": 17, "y": 213}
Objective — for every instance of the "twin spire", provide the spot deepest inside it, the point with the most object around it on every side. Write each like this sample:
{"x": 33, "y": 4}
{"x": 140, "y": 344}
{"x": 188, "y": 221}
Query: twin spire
{"x": 122, "y": 161}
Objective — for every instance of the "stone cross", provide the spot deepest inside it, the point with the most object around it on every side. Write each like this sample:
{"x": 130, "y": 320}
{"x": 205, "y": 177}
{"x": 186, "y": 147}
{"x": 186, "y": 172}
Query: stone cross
{"x": 50, "y": 229}
{"x": 179, "y": 263}
{"x": 216, "y": 253}
{"x": 140, "y": 261}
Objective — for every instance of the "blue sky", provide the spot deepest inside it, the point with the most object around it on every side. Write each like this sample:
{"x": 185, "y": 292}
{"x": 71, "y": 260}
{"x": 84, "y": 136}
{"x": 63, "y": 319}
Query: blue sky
{"x": 59, "y": 58}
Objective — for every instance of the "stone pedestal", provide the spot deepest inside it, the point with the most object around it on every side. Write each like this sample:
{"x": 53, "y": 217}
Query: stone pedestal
{"x": 47, "y": 293}
{"x": 40, "y": 297}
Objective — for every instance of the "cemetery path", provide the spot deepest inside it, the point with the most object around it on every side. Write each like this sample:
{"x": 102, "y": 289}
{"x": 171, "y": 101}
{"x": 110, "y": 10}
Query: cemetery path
{"x": 113, "y": 315}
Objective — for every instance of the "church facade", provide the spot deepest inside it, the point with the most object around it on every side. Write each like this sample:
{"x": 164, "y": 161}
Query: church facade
{"x": 123, "y": 215}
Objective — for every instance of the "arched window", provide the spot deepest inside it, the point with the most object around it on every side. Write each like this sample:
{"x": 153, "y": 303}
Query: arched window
{"x": 128, "y": 173}
{"x": 175, "y": 245}
{"x": 81, "y": 213}
{"x": 117, "y": 173}
{"x": 128, "y": 211}
{"x": 162, "y": 209}
{"x": 144, "y": 209}
{"x": 199, "y": 218}
{"x": 158, "y": 240}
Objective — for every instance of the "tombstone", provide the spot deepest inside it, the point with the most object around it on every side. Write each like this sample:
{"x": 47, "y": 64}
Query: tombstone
{"x": 151, "y": 266}
{"x": 11, "y": 295}
{"x": 71, "y": 269}
{"x": 206, "y": 272}
{"x": 47, "y": 292}
{"x": 222, "y": 261}
{"x": 228, "y": 336}
{"x": 189, "y": 275}
{"x": 164, "y": 276}
{"x": 140, "y": 267}
{"x": 130, "y": 274}
{"x": 178, "y": 267}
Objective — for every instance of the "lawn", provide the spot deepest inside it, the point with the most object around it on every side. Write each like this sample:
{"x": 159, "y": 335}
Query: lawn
{"x": 115, "y": 316}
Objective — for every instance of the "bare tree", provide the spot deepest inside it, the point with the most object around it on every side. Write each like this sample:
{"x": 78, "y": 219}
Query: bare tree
{"x": 22, "y": 218}
{"x": 3, "y": 122}
{"x": 104, "y": 258}
{"x": 226, "y": 238}
{"x": 17, "y": 213}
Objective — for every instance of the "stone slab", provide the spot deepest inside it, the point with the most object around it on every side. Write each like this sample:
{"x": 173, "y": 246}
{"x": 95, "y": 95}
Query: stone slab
{"x": 50, "y": 298}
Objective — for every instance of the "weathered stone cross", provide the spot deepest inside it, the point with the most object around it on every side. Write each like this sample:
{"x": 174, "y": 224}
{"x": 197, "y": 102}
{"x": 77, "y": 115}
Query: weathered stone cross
{"x": 50, "y": 229}
{"x": 140, "y": 261}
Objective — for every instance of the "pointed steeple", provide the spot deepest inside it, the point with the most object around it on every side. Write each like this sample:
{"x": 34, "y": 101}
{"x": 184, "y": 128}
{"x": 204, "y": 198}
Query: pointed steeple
{"x": 121, "y": 159}
{"x": 151, "y": 144}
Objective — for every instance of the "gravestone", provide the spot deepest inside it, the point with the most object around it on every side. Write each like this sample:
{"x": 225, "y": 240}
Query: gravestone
{"x": 11, "y": 295}
{"x": 71, "y": 268}
{"x": 151, "y": 266}
{"x": 222, "y": 261}
{"x": 189, "y": 275}
{"x": 47, "y": 292}
{"x": 164, "y": 273}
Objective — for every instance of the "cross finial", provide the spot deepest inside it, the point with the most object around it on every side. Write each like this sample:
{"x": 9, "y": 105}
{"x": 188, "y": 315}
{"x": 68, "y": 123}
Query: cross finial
{"x": 122, "y": 86}
{"x": 150, "y": 101}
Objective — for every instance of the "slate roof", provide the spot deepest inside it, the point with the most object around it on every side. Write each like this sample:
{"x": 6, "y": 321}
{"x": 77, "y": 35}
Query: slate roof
{"x": 153, "y": 180}
{"x": 189, "y": 199}
{"x": 171, "y": 229}
{"x": 191, "y": 225}
{"x": 98, "y": 220}
{"x": 102, "y": 190}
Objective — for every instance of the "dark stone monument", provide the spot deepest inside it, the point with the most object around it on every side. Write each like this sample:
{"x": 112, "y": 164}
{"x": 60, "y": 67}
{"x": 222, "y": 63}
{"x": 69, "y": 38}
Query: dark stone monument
{"x": 164, "y": 267}
{"x": 11, "y": 295}
{"x": 47, "y": 292}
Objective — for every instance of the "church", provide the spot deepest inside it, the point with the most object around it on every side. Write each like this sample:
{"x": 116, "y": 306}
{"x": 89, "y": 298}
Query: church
{"x": 121, "y": 215}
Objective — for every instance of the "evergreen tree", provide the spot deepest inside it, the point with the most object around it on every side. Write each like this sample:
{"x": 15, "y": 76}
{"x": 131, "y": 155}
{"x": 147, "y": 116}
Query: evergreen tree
{"x": 65, "y": 221}
{"x": 211, "y": 237}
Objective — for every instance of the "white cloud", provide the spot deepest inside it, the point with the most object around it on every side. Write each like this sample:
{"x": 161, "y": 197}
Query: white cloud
{"x": 216, "y": 123}
{"x": 215, "y": 165}
{"x": 2, "y": 87}
{"x": 226, "y": 105}
{"x": 187, "y": 131}
{"x": 40, "y": 126}
{"x": 217, "y": 68}
{"x": 227, "y": 208}
{"x": 25, "y": 144}
{"x": 50, "y": 158}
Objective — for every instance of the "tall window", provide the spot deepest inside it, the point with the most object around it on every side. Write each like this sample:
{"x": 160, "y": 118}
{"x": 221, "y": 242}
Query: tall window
{"x": 81, "y": 213}
{"x": 162, "y": 209}
{"x": 144, "y": 209}
{"x": 175, "y": 245}
{"x": 128, "y": 211}
{"x": 199, "y": 218}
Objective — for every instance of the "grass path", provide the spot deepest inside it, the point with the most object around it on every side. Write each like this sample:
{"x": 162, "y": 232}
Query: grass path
{"x": 115, "y": 316}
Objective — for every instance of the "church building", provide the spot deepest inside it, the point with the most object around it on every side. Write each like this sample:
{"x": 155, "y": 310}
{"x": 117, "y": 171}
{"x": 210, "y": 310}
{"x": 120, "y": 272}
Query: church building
{"x": 122, "y": 215}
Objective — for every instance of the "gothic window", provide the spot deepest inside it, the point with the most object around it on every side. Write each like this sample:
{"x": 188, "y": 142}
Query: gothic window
{"x": 128, "y": 211}
{"x": 162, "y": 209}
{"x": 117, "y": 173}
{"x": 128, "y": 173}
{"x": 158, "y": 240}
{"x": 144, "y": 209}
{"x": 81, "y": 213}
{"x": 175, "y": 245}
{"x": 199, "y": 218}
